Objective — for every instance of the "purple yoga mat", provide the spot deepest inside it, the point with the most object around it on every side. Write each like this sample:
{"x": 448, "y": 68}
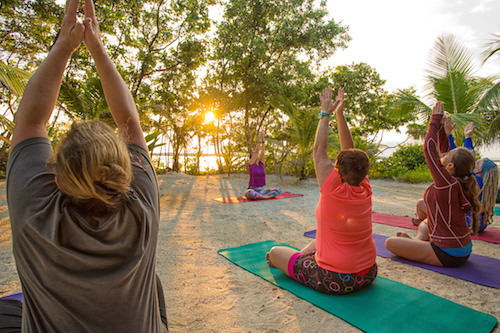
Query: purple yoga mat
{"x": 18, "y": 297}
{"x": 477, "y": 269}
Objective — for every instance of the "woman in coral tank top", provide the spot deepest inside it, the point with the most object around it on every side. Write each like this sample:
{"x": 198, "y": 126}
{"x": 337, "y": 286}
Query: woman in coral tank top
{"x": 342, "y": 258}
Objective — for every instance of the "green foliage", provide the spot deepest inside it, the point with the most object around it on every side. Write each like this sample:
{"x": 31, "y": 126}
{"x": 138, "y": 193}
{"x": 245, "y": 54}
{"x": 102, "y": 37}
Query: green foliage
{"x": 300, "y": 130}
{"x": 409, "y": 156}
{"x": 261, "y": 75}
{"x": 385, "y": 168}
{"x": 492, "y": 47}
{"x": 407, "y": 102}
{"x": 13, "y": 78}
{"x": 466, "y": 97}
{"x": 420, "y": 174}
{"x": 366, "y": 107}
{"x": 27, "y": 29}
{"x": 405, "y": 164}
{"x": 152, "y": 141}
{"x": 266, "y": 48}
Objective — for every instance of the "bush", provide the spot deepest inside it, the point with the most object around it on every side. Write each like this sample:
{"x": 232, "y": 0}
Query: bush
{"x": 409, "y": 156}
{"x": 406, "y": 164}
{"x": 385, "y": 168}
{"x": 420, "y": 174}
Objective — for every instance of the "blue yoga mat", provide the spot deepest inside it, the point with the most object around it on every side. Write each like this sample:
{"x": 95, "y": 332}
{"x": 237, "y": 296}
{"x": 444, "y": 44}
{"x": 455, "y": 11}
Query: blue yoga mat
{"x": 478, "y": 269}
{"x": 385, "y": 306}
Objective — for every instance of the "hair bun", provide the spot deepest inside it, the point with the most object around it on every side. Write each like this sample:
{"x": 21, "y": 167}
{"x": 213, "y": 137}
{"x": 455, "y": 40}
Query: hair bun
{"x": 112, "y": 178}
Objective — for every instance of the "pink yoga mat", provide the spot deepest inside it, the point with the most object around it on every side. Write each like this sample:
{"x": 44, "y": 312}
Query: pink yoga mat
{"x": 283, "y": 195}
{"x": 488, "y": 235}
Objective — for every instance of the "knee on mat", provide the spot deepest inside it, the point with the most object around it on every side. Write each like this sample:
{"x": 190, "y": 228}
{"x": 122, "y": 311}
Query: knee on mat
{"x": 389, "y": 242}
{"x": 273, "y": 252}
{"x": 251, "y": 194}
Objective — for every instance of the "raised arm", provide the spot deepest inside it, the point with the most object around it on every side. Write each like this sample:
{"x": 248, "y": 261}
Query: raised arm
{"x": 448, "y": 128}
{"x": 120, "y": 100}
{"x": 468, "y": 131}
{"x": 255, "y": 157}
{"x": 262, "y": 157}
{"x": 40, "y": 94}
{"x": 322, "y": 163}
{"x": 438, "y": 171}
{"x": 345, "y": 136}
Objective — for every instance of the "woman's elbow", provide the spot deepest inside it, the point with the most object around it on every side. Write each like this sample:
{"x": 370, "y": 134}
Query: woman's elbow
{"x": 318, "y": 149}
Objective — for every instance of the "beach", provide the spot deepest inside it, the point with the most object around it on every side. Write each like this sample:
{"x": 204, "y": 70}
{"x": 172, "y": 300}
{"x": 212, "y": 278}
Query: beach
{"x": 206, "y": 293}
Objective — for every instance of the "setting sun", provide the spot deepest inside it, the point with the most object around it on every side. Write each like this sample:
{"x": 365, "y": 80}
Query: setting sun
{"x": 209, "y": 117}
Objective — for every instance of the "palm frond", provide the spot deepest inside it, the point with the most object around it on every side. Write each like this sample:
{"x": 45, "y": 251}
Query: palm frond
{"x": 7, "y": 123}
{"x": 449, "y": 55}
{"x": 450, "y": 69}
{"x": 463, "y": 119}
{"x": 492, "y": 47}
{"x": 69, "y": 97}
{"x": 489, "y": 104}
{"x": 459, "y": 93}
{"x": 494, "y": 125}
{"x": 13, "y": 78}
{"x": 407, "y": 103}
{"x": 282, "y": 103}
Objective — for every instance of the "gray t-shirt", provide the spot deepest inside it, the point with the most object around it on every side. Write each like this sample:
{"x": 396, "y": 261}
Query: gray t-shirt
{"x": 78, "y": 275}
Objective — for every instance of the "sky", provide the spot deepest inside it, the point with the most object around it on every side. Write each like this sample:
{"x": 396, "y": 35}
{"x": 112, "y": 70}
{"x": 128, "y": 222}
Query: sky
{"x": 396, "y": 36}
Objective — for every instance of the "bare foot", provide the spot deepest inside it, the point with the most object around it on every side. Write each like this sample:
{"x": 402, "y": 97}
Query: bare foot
{"x": 269, "y": 260}
{"x": 402, "y": 234}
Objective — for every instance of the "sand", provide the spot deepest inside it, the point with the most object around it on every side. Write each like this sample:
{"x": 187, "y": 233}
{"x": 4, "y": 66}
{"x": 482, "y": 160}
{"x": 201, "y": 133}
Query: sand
{"x": 206, "y": 293}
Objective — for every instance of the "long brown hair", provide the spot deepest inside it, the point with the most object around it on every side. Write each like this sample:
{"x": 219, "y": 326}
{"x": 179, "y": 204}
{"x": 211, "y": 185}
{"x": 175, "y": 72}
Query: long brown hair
{"x": 465, "y": 161}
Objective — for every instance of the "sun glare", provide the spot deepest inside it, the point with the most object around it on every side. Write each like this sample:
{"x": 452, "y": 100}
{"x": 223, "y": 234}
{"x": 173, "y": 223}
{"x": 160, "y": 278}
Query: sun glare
{"x": 209, "y": 117}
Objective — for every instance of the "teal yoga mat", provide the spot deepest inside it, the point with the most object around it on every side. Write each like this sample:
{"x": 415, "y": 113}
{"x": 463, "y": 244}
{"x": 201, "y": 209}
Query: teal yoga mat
{"x": 385, "y": 306}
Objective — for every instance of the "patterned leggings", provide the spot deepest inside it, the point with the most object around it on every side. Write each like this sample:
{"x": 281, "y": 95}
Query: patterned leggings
{"x": 307, "y": 272}
{"x": 255, "y": 193}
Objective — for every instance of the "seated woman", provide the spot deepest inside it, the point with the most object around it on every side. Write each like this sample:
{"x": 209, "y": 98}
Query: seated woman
{"x": 486, "y": 173}
{"x": 257, "y": 173}
{"x": 342, "y": 258}
{"x": 444, "y": 238}
{"x": 85, "y": 218}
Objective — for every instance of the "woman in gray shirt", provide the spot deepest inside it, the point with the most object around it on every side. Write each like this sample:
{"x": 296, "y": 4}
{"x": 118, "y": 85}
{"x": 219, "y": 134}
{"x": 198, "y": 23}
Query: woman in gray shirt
{"x": 85, "y": 218}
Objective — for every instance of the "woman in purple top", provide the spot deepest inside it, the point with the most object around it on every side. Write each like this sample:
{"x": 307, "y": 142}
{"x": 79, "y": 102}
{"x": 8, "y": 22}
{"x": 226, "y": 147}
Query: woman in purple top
{"x": 257, "y": 173}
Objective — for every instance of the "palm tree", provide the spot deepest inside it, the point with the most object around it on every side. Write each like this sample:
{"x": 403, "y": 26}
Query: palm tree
{"x": 466, "y": 97}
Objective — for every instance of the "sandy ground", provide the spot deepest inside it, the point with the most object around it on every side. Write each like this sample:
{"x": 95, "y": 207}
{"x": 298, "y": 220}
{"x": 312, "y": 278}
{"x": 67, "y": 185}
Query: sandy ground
{"x": 206, "y": 293}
